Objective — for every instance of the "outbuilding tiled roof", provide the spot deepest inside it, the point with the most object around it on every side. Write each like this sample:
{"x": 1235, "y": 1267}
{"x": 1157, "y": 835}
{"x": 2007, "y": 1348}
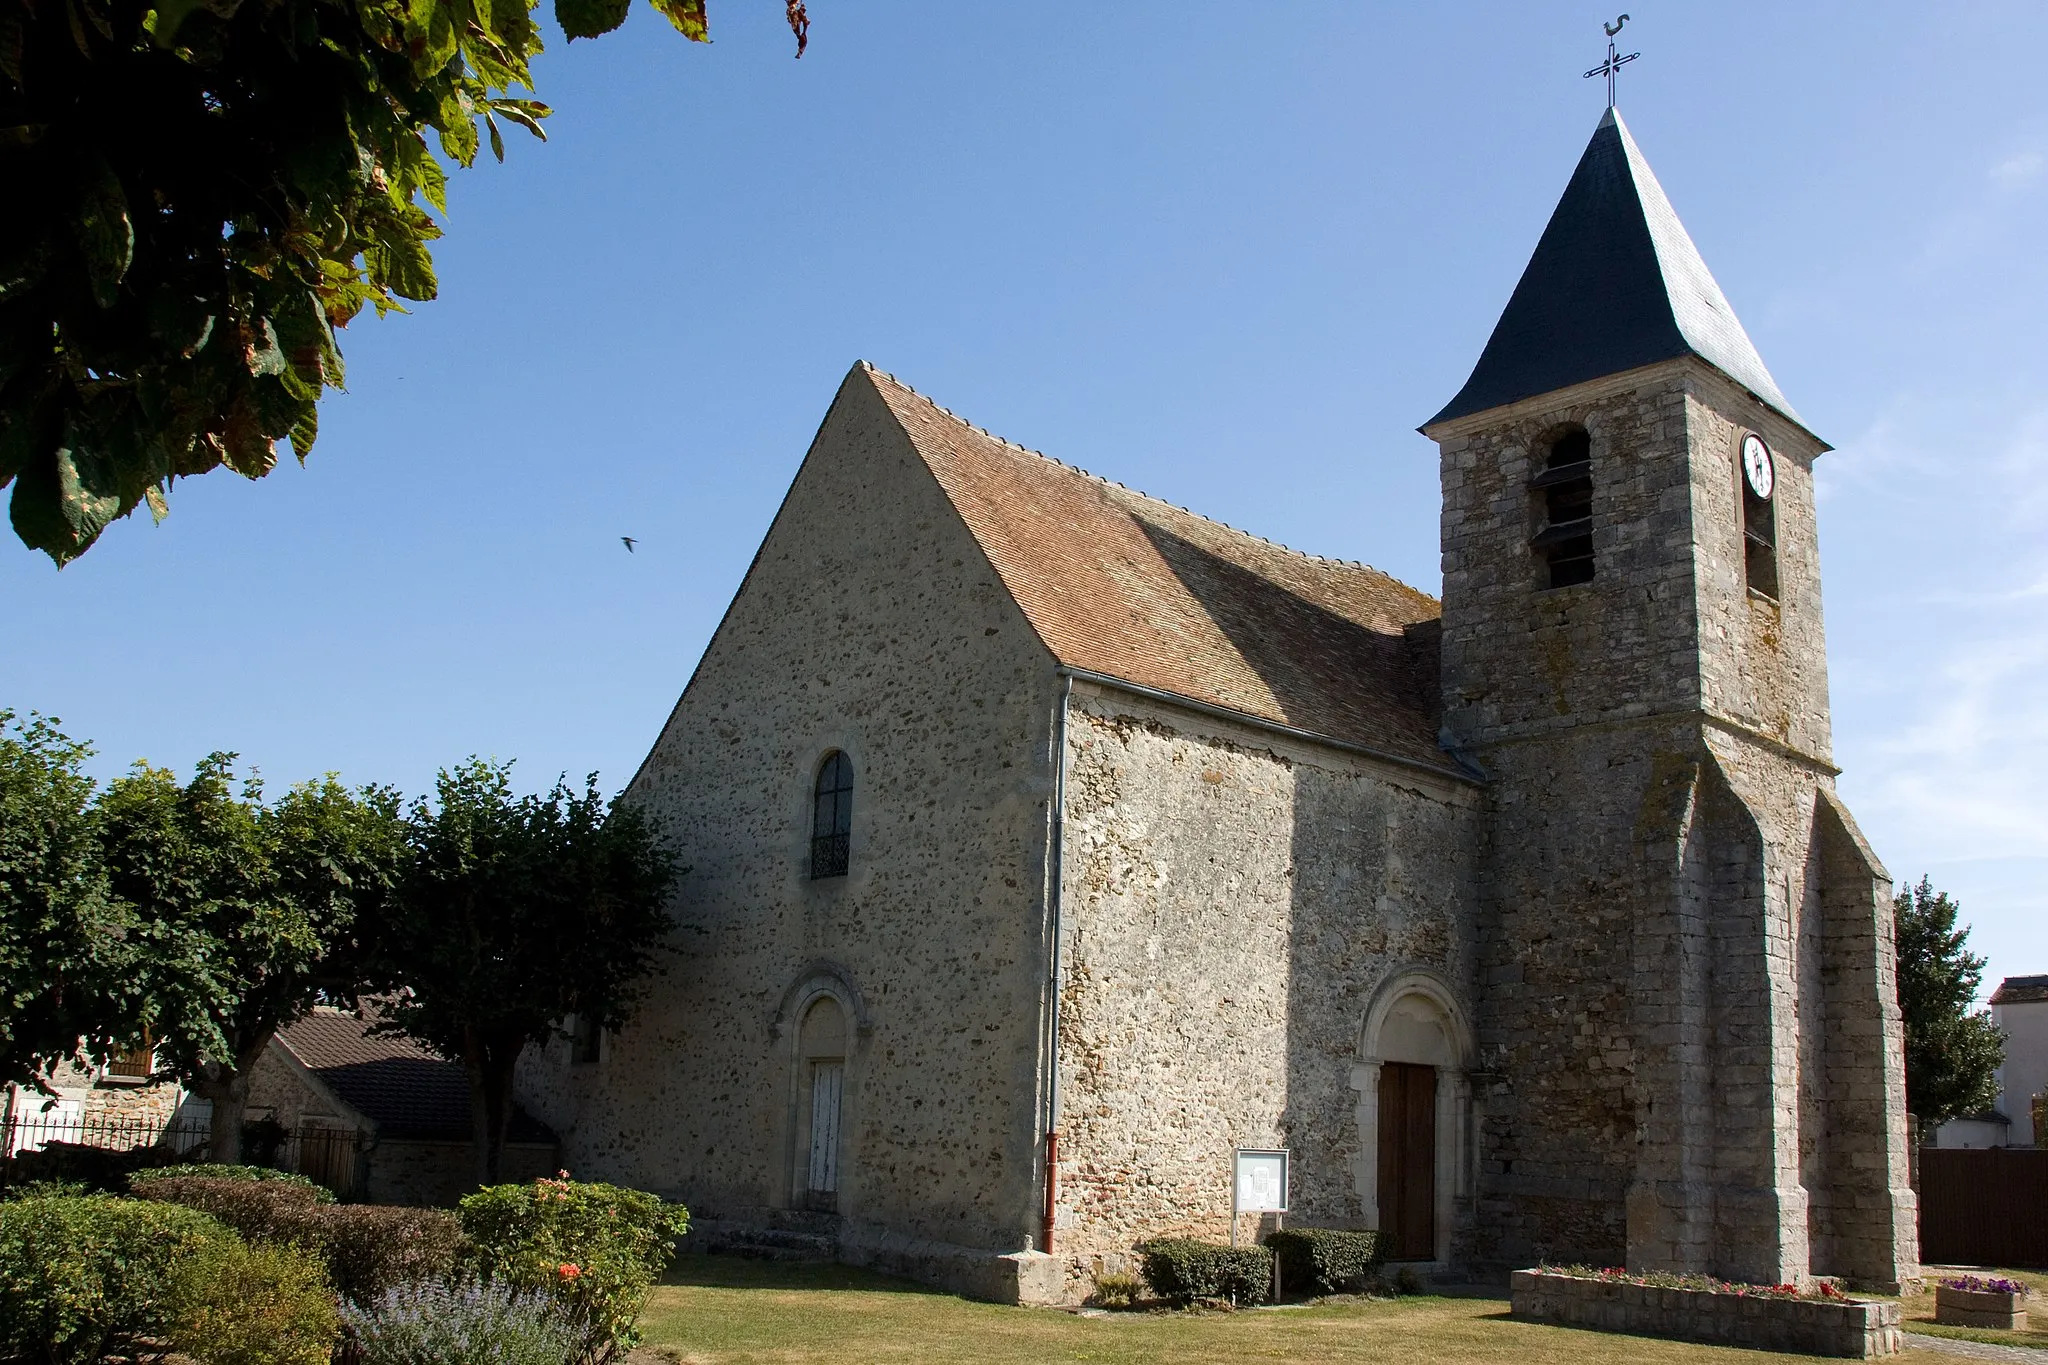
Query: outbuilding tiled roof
{"x": 1124, "y": 585}
{"x": 404, "y": 1089}
{"x": 2021, "y": 990}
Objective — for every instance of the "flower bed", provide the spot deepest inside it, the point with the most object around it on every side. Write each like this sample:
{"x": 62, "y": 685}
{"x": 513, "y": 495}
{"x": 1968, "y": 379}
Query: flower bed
{"x": 1699, "y": 1308}
{"x": 1972, "y": 1301}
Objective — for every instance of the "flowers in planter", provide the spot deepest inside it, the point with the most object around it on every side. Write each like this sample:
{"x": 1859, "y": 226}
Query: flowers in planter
{"x": 1978, "y": 1284}
{"x": 1702, "y": 1284}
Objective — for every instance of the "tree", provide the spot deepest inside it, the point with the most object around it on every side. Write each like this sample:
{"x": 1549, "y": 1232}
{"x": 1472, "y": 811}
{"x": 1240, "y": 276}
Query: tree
{"x": 515, "y": 913}
{"x": 199, "y": 192}
{"x": 63, "y": 940}
{"x": 245, "y": 915}
{"x": 1952, "y": 1051}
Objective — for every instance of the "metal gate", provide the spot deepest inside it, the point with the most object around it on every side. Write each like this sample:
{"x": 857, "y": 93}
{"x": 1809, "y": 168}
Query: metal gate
{"x": 1984, "y": 1207}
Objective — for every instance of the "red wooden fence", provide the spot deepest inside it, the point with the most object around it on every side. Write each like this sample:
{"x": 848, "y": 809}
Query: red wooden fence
{"x": 1984, "y": 1207}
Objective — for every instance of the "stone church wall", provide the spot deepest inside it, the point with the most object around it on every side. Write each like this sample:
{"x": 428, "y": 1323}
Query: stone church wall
{"x": 1688, "y": 1021}
{"x": 1233, "y": 901}
{"x": 869, "y": 623}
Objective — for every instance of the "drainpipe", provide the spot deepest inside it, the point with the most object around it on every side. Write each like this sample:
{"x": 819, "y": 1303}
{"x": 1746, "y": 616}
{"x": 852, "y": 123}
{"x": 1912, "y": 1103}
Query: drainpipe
{"x": 1054, "y": 877}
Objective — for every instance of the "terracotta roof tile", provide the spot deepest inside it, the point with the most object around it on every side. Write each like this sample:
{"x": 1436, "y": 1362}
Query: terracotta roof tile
{"x": 1124, "y": 585}
{"x": 2021, "y": 990}
{"x": 407, "y": 1091}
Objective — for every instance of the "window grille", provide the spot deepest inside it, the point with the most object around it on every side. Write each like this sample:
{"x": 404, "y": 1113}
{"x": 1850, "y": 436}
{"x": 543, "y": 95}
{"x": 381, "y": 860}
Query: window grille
{"x": 832, "y": 817}
{"x": 1565, "y": 493}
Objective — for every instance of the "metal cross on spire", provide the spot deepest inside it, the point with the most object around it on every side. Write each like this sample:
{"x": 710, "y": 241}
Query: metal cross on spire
{"x": 1614, "y": 63}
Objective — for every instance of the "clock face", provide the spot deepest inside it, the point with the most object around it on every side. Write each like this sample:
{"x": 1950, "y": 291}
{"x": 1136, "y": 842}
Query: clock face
{"x": 1756, "y": 466}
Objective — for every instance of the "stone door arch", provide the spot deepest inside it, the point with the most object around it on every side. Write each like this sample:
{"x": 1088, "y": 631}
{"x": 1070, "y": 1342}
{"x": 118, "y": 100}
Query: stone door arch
{"x": 822, "y": 1021}
{"x": 1415, "y": 1026}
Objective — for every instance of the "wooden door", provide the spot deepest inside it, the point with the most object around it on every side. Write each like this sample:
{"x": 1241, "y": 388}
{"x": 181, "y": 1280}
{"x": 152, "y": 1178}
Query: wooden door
{"x": 1407, "y": 1162}
{"x": 827, "y": 1080}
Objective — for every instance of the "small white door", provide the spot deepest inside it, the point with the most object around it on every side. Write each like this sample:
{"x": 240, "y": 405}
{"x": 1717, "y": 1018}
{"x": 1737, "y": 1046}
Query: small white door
{"x": 826, "y": 1081}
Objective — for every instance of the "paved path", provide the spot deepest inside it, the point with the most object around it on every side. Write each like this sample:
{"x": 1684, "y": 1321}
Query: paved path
{"x": 1976, "y": 1350}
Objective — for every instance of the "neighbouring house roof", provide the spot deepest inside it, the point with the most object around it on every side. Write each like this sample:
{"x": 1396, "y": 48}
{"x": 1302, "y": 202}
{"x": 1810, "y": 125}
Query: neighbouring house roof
{"x": 407, "y": 1091}
{"x": 1127, "y": 586}
{"x": 2021, "y": 990}
{"x": 1615, "y": 283}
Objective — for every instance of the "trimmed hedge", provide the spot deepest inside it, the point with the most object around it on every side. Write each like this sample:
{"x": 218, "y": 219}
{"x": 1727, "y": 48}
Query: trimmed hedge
{"x": 1182, "y": 1270}
{"x": 260, "y": 1305}
{"x": 1324, "y": 1260}
{"x": 206, "y": 1170}
{"x": 83, "y": 1278}
{"x": 367, "y": 1248}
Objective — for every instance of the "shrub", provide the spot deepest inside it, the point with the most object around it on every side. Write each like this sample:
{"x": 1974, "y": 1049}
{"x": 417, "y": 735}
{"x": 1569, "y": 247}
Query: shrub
{"x": 1114, "y": 1289}
{"x": 370, "y": 1248}
{"x": 82, "y": 1278}
{"x": 260, "y": 1210}
{"x": 262, "y": 1305}
{"x": 1324, "y": 1260}
{"x": 1182, "y": 1270}
{"x": 467, "y": 1322}
{"x": 203, "y": 1170}
{"x": 367, "y": 1248}
{"x": 596, "y": 1248}
{"x": 98, "y": 1168}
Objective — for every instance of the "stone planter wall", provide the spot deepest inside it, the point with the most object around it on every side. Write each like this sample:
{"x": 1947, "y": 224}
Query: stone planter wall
{"x": 1975, "y": 1308}
{"x": 1811, "y": 1326}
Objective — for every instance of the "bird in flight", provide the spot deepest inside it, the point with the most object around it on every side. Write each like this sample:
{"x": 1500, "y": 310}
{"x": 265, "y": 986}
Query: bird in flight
{"x": 627, "y": 541}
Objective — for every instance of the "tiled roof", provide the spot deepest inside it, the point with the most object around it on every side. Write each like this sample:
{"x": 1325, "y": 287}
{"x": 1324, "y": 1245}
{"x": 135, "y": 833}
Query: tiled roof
{"x": 1615, "y": 283}
{"x": 2021, "y": 990}
{"x": 404, "y": 1089}
{"x": 1120, "y": 584}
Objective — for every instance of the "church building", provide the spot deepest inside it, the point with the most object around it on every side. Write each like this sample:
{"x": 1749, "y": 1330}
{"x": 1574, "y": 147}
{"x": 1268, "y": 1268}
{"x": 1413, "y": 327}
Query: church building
{"x": 1049, "y": 845}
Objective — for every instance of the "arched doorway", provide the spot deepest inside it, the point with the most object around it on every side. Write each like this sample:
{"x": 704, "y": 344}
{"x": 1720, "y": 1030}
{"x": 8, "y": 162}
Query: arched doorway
{"x": 821, "y": 1058}
{"x": 1414, "y": 1111}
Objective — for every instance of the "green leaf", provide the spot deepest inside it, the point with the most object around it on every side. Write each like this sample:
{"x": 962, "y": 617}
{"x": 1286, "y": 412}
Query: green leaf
{"x": 105, "y": 236}
{"x": 512, "y": 22}
{"x": 305, "y": 430}
{"x": 11, "y": 39}
{"x": 687, "y": 15}
{"x": 526, "y": 113}
{"x": 591, "y": 18}
{"x": 497, "y": 138}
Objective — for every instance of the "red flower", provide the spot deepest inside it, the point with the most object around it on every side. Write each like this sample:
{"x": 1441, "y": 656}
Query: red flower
{"x": 569, "y": 1270}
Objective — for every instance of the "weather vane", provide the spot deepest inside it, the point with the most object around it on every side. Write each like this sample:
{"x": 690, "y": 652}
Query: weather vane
{"x": 1613, "y": 63}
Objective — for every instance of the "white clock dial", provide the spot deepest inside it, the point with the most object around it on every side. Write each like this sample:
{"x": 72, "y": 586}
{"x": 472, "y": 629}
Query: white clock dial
{"x": 1756, "y": 466}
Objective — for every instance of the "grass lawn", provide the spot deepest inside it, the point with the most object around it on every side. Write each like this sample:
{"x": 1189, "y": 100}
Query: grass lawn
{"x": 1917, "y": 1311}
{"x": 721, "y": 1310}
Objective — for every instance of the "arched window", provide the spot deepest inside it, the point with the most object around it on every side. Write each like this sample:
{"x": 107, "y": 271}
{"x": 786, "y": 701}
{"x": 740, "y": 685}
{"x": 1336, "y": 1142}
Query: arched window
{"x": 832, "y": 816}
{"x": 1564, "y": 491}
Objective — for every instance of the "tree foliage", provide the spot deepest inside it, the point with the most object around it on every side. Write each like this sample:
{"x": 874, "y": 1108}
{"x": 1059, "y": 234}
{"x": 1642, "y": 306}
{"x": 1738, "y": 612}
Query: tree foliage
{"x": 199, "y": 193}
{"x": 1953, "y": 1052}
{"x": 245, "y": 914}
{"x": 63, "y": 939}
{"x": 515, "y": 913}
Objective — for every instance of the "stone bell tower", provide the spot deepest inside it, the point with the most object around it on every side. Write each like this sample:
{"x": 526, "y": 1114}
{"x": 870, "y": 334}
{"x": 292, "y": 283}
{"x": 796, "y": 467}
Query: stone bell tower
{"x": 1689, "y": 1029}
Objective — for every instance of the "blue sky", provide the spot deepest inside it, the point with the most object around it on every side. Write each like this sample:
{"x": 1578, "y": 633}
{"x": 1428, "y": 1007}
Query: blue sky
{"x": 1230, "y": 255}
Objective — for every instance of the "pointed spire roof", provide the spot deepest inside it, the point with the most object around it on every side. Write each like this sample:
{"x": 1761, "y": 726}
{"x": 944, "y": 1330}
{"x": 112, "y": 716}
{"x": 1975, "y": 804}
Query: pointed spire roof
{"x": 1615, "y": 284}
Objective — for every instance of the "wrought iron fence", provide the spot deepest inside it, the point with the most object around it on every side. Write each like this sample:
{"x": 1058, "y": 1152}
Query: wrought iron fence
{"x": 38, "y": 1144}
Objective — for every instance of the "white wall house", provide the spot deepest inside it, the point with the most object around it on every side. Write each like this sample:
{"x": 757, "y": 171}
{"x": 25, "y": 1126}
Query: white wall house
{"x": 2020, "y": 1008}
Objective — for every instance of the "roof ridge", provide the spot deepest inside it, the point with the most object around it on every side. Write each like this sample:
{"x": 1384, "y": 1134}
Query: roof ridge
{"x": 1135, "y": 492}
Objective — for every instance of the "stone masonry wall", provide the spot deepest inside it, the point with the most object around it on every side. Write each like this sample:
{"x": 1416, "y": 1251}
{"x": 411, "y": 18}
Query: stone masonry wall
{"x": 1688, "y": 1011}
{"x": 869, "y": 623}
{"x": 1232, "y": 902}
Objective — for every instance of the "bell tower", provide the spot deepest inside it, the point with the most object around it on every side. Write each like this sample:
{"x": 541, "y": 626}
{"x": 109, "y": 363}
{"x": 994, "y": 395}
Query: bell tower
{"x": 1689, "y": 1016}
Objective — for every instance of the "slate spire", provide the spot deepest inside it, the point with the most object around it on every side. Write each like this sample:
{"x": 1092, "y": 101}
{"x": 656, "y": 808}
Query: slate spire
{"x": 1615, "y": 284}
